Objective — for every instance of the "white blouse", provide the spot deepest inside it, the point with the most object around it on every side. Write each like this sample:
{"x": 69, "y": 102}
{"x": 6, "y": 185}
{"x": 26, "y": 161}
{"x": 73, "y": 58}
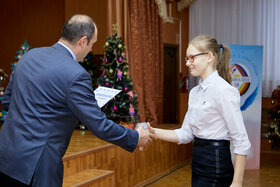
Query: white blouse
{"x": 214, "y": 113}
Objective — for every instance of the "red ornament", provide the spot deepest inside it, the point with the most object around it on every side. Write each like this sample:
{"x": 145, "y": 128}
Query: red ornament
{"x": 126, "y": 89}
{"x": 115, "y": 108}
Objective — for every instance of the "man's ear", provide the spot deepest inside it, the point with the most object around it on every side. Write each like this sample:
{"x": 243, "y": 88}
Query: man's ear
{"x": 82, "y": 41}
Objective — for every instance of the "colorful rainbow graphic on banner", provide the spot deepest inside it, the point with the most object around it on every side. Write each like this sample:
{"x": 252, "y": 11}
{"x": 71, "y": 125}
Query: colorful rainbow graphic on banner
{"x": 241, "y": 78}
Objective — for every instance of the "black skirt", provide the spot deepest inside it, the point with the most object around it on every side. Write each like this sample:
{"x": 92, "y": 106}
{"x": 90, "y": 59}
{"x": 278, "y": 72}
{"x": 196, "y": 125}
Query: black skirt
{"x": 211, "y": 163}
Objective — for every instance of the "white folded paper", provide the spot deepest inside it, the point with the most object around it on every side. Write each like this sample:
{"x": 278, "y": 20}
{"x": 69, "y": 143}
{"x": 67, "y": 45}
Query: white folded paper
{"x": 141, "y": 124}
{"x": 104, "y": 94}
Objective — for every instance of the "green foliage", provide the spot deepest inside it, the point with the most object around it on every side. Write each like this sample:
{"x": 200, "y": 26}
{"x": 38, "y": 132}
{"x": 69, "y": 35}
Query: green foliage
{"x": 91, "y": 68}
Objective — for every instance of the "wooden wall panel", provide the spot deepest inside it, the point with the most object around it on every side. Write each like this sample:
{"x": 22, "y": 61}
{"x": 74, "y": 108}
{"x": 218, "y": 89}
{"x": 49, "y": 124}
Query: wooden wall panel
{"x": 169, "y": 31}
{"x": 97, "y": 10}
{"x": 131, "y": 169}
{"x": 38, "y": 22}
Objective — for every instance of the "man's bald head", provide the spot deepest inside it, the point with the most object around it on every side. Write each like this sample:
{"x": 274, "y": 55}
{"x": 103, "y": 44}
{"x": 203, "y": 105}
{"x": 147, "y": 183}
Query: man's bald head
{"x": 77, "y": 27}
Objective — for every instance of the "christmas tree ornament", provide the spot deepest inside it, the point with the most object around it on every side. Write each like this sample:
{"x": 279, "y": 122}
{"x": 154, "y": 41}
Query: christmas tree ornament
{"x": 107, "y": 44}
{"x": 120, "y": 46}
{"x": 131, "y": 110}
{"x": 115, "y": 28}
{"x": 111, "y": 71}
{"x": 115, "y": 108}
{"x": 130, "y": 93}
{"x": 106, "y": 60}
{"x": 120, "y": 59}
{"x": 119, "y": 74}
{"x": 107, "y": 84}
{"x": 125, "y": 73}
{"x": 123, "y": 54}
{"x": 126, "y": 89}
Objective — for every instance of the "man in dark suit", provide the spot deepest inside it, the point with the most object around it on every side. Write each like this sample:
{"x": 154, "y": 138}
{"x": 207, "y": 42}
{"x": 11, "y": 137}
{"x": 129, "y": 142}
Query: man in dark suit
{"x": 48, "y": 93}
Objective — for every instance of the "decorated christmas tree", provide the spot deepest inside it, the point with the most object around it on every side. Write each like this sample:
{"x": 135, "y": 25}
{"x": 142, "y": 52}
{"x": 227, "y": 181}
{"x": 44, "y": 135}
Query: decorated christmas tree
{"x": 91, "y": 68}
{"x": 23, "y": 49}
{"x": 123, "y": 108}
{"x": 3, "y": 77}
{"x": 274, "y": 128}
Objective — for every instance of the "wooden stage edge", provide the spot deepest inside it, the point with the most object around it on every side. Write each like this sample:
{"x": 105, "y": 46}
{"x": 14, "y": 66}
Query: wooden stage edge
{"x": 88, "y": 156}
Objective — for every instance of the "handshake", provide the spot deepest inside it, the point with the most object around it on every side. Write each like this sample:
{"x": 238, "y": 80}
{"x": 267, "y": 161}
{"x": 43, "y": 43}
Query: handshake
{"x": 146, "y": 134}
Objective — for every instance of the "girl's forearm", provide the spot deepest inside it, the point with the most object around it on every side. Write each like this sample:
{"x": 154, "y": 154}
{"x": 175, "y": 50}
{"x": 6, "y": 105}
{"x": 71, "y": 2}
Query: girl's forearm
{"x": 239, "y": 168}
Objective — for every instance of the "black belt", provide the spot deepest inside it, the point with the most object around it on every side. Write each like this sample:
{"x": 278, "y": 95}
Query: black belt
{"x": 205, "y": 142}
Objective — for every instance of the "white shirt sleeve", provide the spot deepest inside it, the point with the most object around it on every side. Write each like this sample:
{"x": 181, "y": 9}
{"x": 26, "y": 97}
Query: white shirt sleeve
{"x": 228, "y": 104}
{"x": 185, "y": 134}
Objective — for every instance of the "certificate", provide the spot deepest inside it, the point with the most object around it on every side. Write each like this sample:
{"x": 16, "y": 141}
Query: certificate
{"x": 104, "y": 94}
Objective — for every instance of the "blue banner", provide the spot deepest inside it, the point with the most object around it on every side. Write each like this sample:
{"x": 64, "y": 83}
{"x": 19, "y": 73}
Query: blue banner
{"x": 246, "y": 70}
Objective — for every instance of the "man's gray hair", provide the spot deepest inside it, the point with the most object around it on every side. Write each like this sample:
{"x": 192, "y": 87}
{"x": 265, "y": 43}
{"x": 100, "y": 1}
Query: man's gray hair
{"x": 77, "y": 27}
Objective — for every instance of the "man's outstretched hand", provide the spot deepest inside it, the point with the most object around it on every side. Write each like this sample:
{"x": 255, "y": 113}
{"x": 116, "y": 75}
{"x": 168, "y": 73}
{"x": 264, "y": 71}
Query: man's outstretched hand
{"x": 146, "y": 136}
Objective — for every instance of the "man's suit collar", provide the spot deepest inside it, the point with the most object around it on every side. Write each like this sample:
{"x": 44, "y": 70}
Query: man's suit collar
{"x": 68, "y": 48}
{"x": 62, "y": 49}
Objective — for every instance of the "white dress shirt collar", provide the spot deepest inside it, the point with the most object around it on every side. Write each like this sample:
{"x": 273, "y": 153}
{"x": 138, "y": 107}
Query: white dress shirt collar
{"x": 208, "y": 80}
{"x": 71, "y": 52}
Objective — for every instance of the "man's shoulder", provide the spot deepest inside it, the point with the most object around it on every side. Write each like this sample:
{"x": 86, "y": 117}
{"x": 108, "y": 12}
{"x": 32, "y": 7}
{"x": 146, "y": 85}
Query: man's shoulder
{"x": 50, "y": 51}
{"x": 55, "y": 59}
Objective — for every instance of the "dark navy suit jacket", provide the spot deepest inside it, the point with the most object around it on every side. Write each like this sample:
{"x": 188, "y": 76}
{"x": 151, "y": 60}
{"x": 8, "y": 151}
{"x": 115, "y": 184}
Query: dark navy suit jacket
{"x": 48, "y": 93}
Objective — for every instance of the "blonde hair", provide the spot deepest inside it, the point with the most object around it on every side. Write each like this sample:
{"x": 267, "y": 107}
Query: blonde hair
{"x": 206, "y": 43}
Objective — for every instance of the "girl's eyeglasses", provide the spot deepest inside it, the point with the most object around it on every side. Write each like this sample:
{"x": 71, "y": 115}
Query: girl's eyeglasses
{"x": 191, "y": 57}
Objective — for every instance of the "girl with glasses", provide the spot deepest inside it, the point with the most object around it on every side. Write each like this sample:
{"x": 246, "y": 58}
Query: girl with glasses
{"x": 213, "y": 120}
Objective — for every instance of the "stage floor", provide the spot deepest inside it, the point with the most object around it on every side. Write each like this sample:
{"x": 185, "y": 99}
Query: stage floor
{"x": 83, "y": 140}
